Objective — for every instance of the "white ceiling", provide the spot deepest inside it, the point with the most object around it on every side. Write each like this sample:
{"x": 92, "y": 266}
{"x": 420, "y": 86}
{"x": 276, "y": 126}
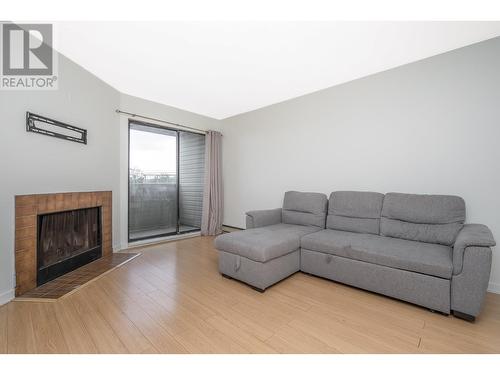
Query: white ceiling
{"x": 220, "y": 69}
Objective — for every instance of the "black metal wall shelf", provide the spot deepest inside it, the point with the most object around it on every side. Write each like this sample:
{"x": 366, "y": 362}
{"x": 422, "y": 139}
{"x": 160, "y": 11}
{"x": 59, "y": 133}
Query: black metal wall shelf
{"x": 46, "y": 126}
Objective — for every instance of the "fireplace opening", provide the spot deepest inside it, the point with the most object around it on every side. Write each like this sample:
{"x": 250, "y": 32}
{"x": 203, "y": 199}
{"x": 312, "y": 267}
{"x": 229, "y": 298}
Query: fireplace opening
{"x": 67, "y": 240}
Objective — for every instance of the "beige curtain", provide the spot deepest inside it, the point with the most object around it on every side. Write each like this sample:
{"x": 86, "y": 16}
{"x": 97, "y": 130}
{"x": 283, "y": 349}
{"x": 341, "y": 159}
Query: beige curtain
{"x": 211, "y": 219}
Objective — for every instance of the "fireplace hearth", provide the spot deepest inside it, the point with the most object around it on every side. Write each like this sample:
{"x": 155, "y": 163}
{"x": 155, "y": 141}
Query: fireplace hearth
{"x": 67, "y": 240}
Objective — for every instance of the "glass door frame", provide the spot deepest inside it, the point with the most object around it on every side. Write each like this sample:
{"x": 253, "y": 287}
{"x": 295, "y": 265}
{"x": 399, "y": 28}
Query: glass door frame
{"x": 177, "y": 132}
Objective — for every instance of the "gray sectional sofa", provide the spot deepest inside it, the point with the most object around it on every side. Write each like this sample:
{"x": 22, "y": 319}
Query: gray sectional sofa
{"x": 412, "y": 247}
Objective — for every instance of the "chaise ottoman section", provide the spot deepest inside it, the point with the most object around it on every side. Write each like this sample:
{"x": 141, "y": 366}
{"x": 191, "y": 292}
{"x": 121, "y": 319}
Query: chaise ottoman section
{"x": 261, "y": 256}
{"x": 259, "y": 275}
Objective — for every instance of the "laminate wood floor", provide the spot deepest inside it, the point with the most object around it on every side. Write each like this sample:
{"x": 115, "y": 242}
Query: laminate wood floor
{"x": 173, "y": 300}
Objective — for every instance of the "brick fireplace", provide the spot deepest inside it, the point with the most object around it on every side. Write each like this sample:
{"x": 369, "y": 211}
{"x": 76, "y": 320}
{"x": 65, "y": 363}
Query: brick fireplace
{"x": 31, "y": 210}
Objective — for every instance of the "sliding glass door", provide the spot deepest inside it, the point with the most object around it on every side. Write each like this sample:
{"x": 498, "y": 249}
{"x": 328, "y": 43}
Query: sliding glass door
{"x": 166, "y": 171}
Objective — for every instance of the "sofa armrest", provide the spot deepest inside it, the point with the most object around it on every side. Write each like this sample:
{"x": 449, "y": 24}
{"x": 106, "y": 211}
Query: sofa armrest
{"x": 471, "y": 235}
{"x": 262, "y": 218}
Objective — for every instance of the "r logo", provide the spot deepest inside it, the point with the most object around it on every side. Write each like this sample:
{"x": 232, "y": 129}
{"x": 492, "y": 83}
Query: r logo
{"x": 27, "y": 50}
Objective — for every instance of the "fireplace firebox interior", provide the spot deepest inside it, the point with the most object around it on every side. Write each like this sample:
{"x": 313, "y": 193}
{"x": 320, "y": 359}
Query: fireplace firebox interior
{"x": 67, "y": 240}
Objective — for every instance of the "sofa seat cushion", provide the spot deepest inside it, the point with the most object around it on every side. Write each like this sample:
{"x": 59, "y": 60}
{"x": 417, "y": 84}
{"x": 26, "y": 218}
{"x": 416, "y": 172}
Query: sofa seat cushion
{"x": 421, "y": 257}
{"x": 264, "y": 243}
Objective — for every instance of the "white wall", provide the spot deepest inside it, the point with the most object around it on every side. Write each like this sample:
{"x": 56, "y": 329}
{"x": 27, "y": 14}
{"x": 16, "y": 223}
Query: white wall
{"x": 148, "y": 108}
{"x": 428, "y": 127}
{"x": 32, "y": 163}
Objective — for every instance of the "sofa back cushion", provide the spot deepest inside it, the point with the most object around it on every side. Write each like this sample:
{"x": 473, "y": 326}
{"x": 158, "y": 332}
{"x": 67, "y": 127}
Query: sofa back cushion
{"x": 426, "y": 218}
{"x": 355, "y": 211}
{"x": 304, "y": 209}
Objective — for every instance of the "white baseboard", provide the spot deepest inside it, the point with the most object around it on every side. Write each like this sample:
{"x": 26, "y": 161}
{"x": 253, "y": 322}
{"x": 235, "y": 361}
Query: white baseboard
{"x": 6, "y": 296}
{"x": 494, "y": 288}
{"x": 118, "y": 247}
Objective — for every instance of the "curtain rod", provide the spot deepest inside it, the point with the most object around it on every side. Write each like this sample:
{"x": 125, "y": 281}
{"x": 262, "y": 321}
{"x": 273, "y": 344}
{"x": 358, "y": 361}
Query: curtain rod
{"x": 159, "y": 120}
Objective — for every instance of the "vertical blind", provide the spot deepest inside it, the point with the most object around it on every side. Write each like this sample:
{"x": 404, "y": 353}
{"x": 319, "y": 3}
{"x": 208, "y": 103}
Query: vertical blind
{"x": 191, "y": 175}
